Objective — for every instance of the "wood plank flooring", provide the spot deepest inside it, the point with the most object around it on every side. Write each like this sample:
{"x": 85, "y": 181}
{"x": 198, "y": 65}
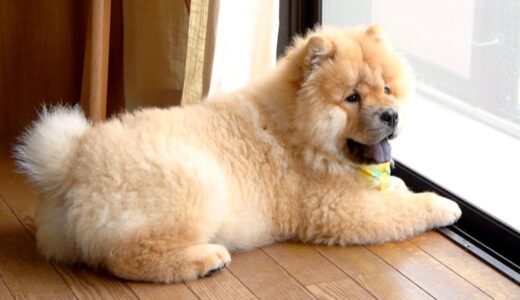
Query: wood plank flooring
{"x": 426, "y": 267}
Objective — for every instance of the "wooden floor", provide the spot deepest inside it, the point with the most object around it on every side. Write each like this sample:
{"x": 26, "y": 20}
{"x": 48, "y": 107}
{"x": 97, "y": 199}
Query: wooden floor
{"x": 425, "y": 267}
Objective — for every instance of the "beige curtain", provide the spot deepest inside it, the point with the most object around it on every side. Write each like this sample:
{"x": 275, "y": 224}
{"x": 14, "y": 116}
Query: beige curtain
{"x": 159, "y": 37}
{"x": 200, "y": 50}
{"x": 176, "y": 51}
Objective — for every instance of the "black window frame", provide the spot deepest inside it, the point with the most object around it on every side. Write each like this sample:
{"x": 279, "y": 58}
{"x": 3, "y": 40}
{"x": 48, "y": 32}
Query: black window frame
{"x": 477, "y": 231}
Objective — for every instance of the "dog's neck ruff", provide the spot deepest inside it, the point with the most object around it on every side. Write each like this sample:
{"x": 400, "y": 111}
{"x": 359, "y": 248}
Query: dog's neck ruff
{"x": 379, "y": 174}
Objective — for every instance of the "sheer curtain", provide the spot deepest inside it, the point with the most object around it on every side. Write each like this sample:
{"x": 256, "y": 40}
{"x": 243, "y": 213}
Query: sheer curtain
{"x": 246, "y": 43}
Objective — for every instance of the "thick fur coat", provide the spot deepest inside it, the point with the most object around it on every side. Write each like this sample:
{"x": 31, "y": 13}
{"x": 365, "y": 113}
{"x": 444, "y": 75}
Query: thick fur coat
{"x": 163, "y": 194}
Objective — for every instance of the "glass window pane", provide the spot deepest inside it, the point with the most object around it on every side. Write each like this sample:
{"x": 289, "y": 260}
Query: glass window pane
{"x": 464, "y": 121}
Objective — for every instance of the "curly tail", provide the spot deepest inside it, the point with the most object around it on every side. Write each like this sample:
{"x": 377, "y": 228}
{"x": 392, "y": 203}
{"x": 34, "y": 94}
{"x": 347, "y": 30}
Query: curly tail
{"x": 45, "y": 154}
{"x": 46, "y": 148}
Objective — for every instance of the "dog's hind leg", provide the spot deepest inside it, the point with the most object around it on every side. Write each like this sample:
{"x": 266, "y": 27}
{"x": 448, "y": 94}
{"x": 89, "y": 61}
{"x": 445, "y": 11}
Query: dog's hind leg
{"x": 165, "y": 259}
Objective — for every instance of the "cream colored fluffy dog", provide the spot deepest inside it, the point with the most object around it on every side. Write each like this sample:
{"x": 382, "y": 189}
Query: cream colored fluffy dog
{"x": 163, "y": 194}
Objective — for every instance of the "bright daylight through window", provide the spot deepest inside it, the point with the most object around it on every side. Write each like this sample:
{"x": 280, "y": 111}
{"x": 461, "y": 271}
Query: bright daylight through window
{"x": 462, "y": 127}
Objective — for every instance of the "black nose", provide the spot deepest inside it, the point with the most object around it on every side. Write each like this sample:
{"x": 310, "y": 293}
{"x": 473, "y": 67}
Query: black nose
{"x": 390, "y": 117}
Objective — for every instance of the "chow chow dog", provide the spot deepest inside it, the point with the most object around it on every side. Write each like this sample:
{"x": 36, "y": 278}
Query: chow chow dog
{"x": 163, "y": 195}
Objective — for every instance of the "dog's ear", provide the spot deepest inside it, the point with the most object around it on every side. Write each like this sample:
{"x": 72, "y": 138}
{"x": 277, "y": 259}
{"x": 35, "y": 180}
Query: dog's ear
{"x": 318, "y": 49}
{"x": 375, "y": 32}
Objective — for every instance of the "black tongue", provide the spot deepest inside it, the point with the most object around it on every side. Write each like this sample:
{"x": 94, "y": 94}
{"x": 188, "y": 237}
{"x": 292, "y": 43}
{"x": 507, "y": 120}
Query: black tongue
{"x": 382, "y": 152}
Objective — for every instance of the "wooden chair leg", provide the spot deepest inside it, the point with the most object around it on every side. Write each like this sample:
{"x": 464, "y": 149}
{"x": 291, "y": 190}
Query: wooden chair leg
{"x": 95, "y": 66}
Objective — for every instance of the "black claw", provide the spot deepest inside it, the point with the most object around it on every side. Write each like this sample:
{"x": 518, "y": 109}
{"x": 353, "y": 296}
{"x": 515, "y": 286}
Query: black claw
{"x": 215, "y": 270}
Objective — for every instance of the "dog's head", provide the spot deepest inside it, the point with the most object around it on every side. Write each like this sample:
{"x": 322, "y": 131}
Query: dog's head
{"x": 352, "y": 85}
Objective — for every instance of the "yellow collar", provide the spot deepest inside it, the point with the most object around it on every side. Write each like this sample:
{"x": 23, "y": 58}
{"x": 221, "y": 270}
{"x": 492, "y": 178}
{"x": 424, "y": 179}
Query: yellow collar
{"x": 378, "y": 174}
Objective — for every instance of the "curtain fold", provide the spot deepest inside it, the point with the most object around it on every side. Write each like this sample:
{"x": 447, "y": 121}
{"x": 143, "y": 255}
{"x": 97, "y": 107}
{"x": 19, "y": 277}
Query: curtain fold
{"x": 155, "y": 40}
{"x": 178, "y": 51}
{"x": 197, "y": 54}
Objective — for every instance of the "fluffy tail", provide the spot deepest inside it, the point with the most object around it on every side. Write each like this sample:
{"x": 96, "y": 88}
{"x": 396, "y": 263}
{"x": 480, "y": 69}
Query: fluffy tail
{"x": 46, "y": 148}
{"x": 45, "y": 154}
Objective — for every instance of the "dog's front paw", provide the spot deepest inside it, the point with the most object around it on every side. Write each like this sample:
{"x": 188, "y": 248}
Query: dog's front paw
{"x": 444, "y": 212}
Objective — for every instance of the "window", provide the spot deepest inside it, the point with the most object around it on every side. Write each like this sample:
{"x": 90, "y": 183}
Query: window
{"x": 464, "y": 119}
{"x": 466, "y": 112}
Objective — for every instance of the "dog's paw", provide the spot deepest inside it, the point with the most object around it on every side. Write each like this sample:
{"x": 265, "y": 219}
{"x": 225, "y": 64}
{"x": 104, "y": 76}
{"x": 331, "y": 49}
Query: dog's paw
{"x": 214, "y": 259}
{"x": 444, "y": 211}
{"x": 200, "y": 261}
{"x": 214, "y": 269}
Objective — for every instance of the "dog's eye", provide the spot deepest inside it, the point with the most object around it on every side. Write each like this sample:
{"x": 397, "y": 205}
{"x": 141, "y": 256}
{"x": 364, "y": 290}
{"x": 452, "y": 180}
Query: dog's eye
{"x": 354, "y": 97}
{"x": 388, "y": 91}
